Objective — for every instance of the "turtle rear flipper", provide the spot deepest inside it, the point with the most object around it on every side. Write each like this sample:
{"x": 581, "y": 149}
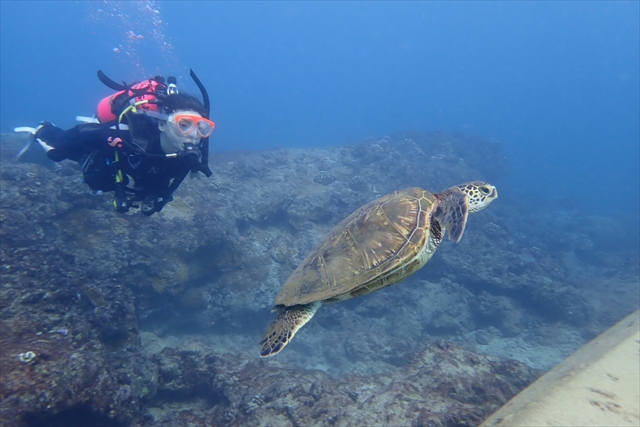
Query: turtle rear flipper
{"x": 452, "y": 213}
{"x": 285, "y": 326}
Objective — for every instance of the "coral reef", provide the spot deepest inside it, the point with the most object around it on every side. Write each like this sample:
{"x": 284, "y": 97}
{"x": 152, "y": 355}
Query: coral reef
{"x": 443, "y": 385}
{"x": 132, "y": 320}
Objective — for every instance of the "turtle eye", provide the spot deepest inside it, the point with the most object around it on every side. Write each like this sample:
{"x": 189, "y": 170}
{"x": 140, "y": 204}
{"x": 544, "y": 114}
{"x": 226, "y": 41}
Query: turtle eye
{"x": 485, "y": 190}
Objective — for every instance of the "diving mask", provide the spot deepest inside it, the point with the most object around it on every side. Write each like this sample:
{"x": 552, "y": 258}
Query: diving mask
{"x": 185, "y": 124}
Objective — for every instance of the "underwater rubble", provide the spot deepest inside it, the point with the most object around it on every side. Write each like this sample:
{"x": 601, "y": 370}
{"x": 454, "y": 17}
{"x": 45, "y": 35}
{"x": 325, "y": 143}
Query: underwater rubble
{"x": 130, "y": 320}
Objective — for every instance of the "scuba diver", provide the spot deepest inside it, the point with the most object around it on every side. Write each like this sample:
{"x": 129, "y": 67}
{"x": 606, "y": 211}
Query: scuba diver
{"x": 141, "y": 145}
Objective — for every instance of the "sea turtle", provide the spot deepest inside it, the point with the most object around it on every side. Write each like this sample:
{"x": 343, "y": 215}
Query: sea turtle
{"x": 376, "y": 246}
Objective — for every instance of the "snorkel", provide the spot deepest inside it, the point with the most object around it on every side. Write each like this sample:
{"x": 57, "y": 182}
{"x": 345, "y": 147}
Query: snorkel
{"x": 203, "y": 165}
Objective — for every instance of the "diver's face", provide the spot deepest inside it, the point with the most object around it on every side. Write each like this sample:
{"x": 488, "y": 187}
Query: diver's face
{"x": 173, "y": 136}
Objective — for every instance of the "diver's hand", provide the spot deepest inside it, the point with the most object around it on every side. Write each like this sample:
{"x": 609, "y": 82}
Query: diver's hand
{"x": 152, "y": 204}
{"x": 122, "y": 204}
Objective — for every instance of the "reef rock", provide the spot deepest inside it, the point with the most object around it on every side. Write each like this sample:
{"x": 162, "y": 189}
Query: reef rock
{"x": 82, "y": 286}
{"x": 443, "y": 386}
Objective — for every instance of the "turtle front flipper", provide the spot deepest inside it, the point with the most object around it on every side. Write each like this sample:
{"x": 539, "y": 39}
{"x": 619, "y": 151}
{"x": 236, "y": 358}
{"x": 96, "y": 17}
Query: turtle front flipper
{"x": 452, "y": 213}
{"x": 285, "y": 326}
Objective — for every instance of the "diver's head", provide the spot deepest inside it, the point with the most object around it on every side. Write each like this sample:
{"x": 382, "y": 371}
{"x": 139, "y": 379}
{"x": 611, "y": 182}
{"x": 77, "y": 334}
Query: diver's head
{"x": 183, "y": 128}
{"x": 185, "y": 125}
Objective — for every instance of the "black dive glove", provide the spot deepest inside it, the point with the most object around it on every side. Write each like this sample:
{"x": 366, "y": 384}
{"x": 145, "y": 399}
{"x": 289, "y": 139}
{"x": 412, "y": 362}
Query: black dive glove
{"x": 122, "y": 204}
{"x": 153, "y": 204}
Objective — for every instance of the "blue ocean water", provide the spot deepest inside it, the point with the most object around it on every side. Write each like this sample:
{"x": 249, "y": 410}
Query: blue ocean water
{"x": 169, "y": 313}
{"x": 556, "y": 83}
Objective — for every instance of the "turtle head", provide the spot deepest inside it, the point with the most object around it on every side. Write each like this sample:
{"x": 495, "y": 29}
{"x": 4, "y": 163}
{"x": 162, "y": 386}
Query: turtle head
{"x": 479, "y": 194}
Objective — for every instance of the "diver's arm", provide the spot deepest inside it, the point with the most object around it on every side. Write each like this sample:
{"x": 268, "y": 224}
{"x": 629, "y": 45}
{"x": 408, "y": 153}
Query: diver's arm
{"x": 77, "y": 142}
{"x": 162, "y": 191}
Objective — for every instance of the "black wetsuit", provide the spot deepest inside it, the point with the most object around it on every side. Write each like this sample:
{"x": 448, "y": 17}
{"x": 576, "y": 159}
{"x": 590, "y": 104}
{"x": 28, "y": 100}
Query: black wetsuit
{"x": 146, "y": 176}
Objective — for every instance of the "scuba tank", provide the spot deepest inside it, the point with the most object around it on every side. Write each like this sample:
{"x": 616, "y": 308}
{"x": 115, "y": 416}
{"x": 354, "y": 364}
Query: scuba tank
{"x": 110, "y": 107}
